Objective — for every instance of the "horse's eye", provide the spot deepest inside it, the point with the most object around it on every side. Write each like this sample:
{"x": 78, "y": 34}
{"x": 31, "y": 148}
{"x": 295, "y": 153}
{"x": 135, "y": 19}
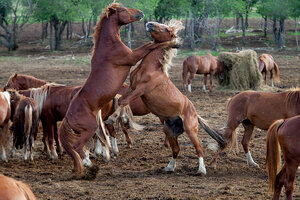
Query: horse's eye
{"x": 166, "y": 29}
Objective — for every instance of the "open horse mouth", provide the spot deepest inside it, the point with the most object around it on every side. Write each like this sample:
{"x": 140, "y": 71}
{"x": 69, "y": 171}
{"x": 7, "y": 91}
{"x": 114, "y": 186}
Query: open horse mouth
{"x": 149, "y": 27}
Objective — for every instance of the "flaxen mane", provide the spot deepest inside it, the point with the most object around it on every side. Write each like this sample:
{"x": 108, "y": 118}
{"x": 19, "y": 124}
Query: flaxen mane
{"x": 292, "y": 99}
{"x": 40, "y": 94}
{"x": 106, "y": 12}
{"x": 166, "y": 62}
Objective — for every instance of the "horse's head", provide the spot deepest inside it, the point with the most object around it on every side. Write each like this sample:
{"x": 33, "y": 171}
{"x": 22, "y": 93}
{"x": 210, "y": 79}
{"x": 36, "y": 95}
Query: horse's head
{"x": 14, "y": 82}
{"x": 124, "y": 15}
{"x": 161, "y": 32}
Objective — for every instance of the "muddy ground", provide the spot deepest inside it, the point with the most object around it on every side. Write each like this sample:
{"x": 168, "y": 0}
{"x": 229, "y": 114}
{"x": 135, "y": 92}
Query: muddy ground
{"x": 137, "y": 173}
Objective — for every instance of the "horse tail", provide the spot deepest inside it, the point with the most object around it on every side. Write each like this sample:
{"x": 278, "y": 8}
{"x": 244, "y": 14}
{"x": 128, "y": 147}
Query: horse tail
{"x": 132, "y": 124}
{"x": 276, "y": 72}
{"x": 28, "y": 121}
{"x": 213, "y": 133}
{"x": 273, "y": 153}
{"x": 25, "y": 189}
{"x": 185, "y": 71}
{"x": 67, "y": 138}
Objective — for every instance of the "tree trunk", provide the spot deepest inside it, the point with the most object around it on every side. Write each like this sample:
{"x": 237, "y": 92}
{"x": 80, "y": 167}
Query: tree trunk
{"x": 296, "y": 34}
{"x": 281, "y": 33}
{"x": 89, "y": 27}
{"x": 44, "y": 30}
{"x": 243, "y": 28}
{"x": 191, "y": 31}
{"x": 246, "y": 18}
{"x": 265, "y": 26}
{"x": 68, "y": 31}
{"x": 129, "y": 35}
{"x": 51, "y": 36}
{"x": 71, "y": 30}
{"x": 84, "y": 29}
{"x": 237, "y": 21}
{"x": 58, "y": 29}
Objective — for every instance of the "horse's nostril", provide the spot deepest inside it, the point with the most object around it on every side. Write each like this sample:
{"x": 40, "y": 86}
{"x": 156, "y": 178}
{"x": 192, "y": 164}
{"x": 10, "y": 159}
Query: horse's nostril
{"x": 149, "y": 26}
{"x": 139, "y": 15}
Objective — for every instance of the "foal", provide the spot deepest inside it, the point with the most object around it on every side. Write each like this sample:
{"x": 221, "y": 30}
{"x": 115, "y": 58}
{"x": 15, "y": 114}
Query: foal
{"x": 25, "y": 122}
{"x": 150, "y": 82}
{"x": 207, "y": 65}
{"x": 267, "y": 64}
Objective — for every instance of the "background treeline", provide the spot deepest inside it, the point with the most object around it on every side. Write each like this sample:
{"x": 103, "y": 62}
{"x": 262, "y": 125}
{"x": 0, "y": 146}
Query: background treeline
{"x": 201, "y": 17}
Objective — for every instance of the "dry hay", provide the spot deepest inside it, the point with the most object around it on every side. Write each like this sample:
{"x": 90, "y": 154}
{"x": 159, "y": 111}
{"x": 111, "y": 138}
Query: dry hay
{"x": 240, "y": 71}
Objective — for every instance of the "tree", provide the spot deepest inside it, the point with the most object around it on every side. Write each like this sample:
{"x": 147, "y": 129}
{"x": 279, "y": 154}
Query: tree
{"x": 294, "y": 11}
{"x": 14, "y": 14}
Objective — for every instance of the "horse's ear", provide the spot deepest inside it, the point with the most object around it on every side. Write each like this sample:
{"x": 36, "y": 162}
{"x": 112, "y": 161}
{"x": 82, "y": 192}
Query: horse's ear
{"x": 15, "y": 76}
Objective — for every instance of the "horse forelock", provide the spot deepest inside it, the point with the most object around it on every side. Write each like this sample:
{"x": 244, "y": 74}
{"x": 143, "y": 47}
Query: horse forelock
{"x": 167, "y": 60}
{"x": 105, "y": 14}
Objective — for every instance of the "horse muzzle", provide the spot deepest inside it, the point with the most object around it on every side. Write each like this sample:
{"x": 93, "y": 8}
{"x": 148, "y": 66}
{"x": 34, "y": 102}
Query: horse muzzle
{"x": 139, "y": 15}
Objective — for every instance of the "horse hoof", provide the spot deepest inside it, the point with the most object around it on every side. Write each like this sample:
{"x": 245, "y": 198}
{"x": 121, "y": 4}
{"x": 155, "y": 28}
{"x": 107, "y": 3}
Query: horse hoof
{"x": 168, "y": 169}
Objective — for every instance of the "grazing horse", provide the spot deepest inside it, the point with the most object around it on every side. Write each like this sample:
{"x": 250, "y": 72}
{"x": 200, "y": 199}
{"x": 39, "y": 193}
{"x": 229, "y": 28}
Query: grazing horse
{"x": 267, "y": 64}
{"x": 284, "y": 135}
{"x": 258, "y": 109}
{"x": 13, "y": 189}
{"x": 150, "y": 82}
{"x": 5, "y": 113}
{"x": 110, "y": 64}
{"x": 206, "y": 64}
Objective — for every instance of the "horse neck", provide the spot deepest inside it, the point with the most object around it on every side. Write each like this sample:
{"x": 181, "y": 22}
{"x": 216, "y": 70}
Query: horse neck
{"x": 154, "y": 58}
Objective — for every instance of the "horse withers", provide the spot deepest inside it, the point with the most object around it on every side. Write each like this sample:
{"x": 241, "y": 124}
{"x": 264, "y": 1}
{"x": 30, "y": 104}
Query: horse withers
{"x": 257, "y": 109}
{"x": 150, "y": 82}
{"x": 284, "y": 135}
{"x": 207, "y": 65}
{"x": 267, "y": 64}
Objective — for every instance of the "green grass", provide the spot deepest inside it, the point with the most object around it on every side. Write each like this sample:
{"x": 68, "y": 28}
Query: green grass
{"x": 13, "y": 58}
{"x": 80, "y": 61}
{"x": 293, "y": 33}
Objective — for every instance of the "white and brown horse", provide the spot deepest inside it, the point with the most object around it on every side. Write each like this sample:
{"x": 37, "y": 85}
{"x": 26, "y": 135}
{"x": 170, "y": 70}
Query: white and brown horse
{"x": 267, "y": 64}
{"x": 150, "y": 82}
{"x": 5, "y": 113}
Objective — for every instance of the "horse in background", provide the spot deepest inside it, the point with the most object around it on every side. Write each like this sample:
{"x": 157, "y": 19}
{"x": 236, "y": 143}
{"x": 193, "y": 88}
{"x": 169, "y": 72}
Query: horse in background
{"x": 257, "y": 109}
{"x": 267, "y": 64}
{"x": 110, "y": 64}
{"x": 13, "y": 189}
{"x": 284, "y": 135}
{"x": 5, "y": 115}
{"x": 207, "y": 65}
{"x": 23, "y": 82}
{"x": 150, "y": 82}
{"x": 25, "y": 118}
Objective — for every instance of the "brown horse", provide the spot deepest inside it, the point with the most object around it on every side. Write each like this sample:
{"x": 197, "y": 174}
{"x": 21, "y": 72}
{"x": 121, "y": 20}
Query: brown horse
{"x": 258, "y": 109}
{"x": 150, "y": 82}
{"x": 23, "y": 82}
{"x": 13, "y": 189}
{"x": 110, "y": 65}
{"x": 4, "y": 120}
{"x": 267, "y": 64}
{"x": 206, "y": 64}
{"x": 284, "y": 135}
{"x": 25, "y": 122}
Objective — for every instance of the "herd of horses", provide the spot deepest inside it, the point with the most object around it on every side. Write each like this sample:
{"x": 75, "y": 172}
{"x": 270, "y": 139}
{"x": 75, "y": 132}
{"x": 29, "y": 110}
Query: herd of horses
{"x": 89, "y": 112}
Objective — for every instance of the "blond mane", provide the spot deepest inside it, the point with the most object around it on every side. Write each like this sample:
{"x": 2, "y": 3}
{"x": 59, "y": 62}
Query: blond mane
{"x": 166, "y": 62}
{"x": 105, "y": 14}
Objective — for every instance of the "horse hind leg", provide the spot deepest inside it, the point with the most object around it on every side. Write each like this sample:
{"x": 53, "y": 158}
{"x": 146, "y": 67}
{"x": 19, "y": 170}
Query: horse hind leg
{"x": 3, "y": 142}
{"x": 175, "y": 149}
{"x": 279, "y": 182}
{"x": 271, "y": 77}
{"x": 291, "y": 171}
{"x": 204, "y": 82}
{"x": 249, "y": 127}
{"x": 191, "y": 77}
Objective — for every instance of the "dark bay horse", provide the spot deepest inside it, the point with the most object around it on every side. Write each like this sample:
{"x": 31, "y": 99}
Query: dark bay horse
{"x": 207, "y": 65}
{"x": 25, "y": 122}
{"x": 267, "y": 64}
{"x": 110, "y": 65}
{"x": 150, "y": 82}
{"x": 5, "y": 113}
{"x": 284, "y": 135}
{"x": 258, "y": 109}
{"x": 13, "y": 189}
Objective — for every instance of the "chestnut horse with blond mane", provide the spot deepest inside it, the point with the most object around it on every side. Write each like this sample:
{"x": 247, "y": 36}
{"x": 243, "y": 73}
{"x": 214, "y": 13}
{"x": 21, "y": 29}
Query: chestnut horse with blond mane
{"x": 150, "y": 82}
{"x": 5, "y": 114}
{"x": 257, "y": 109}
{"x": 284, "y": 135}
{"x": 207, "y": 65}
{"x": 267, "y": 64}
{"x": 110, "y": 65}
{"x": 13, "y": 189}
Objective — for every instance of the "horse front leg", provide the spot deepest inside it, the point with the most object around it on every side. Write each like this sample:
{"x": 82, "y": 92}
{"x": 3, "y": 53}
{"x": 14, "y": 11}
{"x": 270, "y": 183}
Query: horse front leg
{"x": 3, "y": 141}
{"x": 211, "y": 81}
{"x": 192, "y": 75}
{"x": 204, "y": 82}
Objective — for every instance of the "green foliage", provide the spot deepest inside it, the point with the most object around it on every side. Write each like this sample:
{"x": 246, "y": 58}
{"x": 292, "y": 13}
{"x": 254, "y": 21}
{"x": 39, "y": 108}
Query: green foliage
{"x": 274, "y": 8}
{"x": 167, "y": 9}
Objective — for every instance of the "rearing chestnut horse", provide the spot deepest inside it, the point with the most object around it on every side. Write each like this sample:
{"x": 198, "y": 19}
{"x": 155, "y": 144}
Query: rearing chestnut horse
{"x": 110, "y": 65}
{"x": 150, "y": 82}
{"x": 267, "y": 64}
{"x": 284, "y": 135}
{"x": 206, "y": 64}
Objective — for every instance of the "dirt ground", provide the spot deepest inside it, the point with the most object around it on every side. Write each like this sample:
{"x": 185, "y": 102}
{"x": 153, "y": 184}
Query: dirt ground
{"x": 137, "y": 173}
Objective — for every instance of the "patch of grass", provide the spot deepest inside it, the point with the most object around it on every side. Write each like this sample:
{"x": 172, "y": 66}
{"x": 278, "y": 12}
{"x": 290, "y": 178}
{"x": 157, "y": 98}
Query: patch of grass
{"x": 13, "y": 58}
{"x": 293, "y": 33}
{"x": 80, "y": 61}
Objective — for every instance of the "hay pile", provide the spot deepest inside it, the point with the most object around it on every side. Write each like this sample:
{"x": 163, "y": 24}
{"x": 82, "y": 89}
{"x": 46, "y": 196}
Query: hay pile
{"x": 240, "y": 71}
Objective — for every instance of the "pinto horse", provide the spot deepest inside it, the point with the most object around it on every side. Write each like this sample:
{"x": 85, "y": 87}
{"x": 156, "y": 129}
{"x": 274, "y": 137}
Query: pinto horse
{"x": 25, "y": 122}
{"x": 13, "y": 189}
{"x": 206, "y": 64}
{"x": 5, "y": 113}
{"x": 150, "y": 82}
{"x": 267, "y": 64}
{"x": 284, "y": 134}
{"x": 258, "y": 109}
{"x": 110, "y": 65}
